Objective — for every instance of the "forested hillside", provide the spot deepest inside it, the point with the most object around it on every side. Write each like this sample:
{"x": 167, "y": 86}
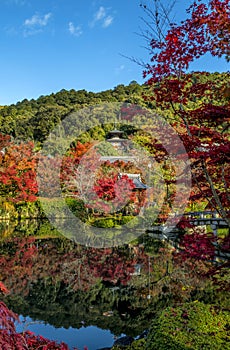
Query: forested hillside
{"x": 33, "y": 119}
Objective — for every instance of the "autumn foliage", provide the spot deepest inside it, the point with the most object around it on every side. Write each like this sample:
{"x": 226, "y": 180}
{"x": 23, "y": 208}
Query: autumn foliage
{"x": 17, "y": 170}
{"x": 199, "y": 112}
{"x": 27, "y": 261}
{"x": 200, "y": 108}
{"x": 11, "y": 339}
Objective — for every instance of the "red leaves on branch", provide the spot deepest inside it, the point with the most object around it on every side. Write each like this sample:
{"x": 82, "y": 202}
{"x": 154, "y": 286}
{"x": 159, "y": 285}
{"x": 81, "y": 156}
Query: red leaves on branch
{"x": 199, "y": 246}
{"x": 113, "y": 192}
{"x": 206, "y": 30}
{"x": 78, "y": 171}
{"x": 72, "y": 159}
{"x": 18, "y": 172}
{"x": 18, "y": 164}
{"x": 3, "y": 288}
{"x": 200, "y": 105}
{"x": 7, "y": 318}
{"x": 211, "y": 114}
{"x": 11, "y": 339}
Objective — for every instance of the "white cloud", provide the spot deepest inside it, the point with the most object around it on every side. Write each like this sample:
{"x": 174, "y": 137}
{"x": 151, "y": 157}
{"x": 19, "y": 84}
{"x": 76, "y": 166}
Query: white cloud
{"x": 37, "y": 21}
{"x": 101, "y": 16}
{"x": 76, "y": 31}
{"x": 108, "y": 21}
{"x": 35, "y": 24}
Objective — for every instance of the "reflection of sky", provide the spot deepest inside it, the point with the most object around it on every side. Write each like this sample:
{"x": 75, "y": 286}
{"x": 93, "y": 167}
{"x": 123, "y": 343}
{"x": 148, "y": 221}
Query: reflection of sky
{"x": 92, "y": 337}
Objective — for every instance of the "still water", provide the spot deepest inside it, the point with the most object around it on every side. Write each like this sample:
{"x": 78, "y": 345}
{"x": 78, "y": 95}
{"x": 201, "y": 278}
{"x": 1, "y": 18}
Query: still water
{"x": 79, "y": 295}
{"x": 91, "y": 336}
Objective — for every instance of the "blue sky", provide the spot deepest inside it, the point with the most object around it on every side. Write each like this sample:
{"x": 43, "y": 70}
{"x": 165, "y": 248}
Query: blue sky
{"x": 49, "y": 45}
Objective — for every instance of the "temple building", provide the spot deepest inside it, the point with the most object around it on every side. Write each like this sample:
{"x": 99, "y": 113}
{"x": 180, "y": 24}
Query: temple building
{"x": 120, "y": 144}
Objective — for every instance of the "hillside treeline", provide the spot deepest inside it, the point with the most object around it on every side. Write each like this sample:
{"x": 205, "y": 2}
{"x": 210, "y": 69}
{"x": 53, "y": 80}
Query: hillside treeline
{"x": 33, "y": 119}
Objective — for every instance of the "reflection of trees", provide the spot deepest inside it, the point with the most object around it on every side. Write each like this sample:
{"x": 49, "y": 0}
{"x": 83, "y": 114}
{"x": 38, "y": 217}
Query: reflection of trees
{"x": 63, "y": 261}
{"x": 62, "y": 308}
{"x": 62, "y": 283}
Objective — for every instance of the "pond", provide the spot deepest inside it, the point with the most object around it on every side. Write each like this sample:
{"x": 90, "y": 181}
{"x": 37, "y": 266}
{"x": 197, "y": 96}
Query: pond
{"x": 81, "y": 295}
{"x": 93, "y": 336}
{"x": 94, "y": 297}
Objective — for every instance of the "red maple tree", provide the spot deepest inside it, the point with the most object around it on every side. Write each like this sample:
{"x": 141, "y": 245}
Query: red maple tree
{"x": 17, "y": 170}
{"x": 200, "y": 106}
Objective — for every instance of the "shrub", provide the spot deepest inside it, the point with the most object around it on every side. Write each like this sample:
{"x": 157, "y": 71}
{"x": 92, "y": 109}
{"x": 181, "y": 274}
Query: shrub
{"x": 190, "y": 326}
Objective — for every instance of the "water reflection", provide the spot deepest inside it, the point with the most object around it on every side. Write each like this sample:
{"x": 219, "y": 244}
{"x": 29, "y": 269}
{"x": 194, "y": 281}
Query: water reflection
{"x": 56, "y": 281}
{"x": 91, "y": 336}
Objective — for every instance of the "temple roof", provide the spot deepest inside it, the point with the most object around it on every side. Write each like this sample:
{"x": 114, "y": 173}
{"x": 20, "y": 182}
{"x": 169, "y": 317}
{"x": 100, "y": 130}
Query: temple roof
{"x": 139, "y": 185}
{"x": 115, "y": 137}
{"x": 113, "y": 159}
{"x": 136, "y": 178}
